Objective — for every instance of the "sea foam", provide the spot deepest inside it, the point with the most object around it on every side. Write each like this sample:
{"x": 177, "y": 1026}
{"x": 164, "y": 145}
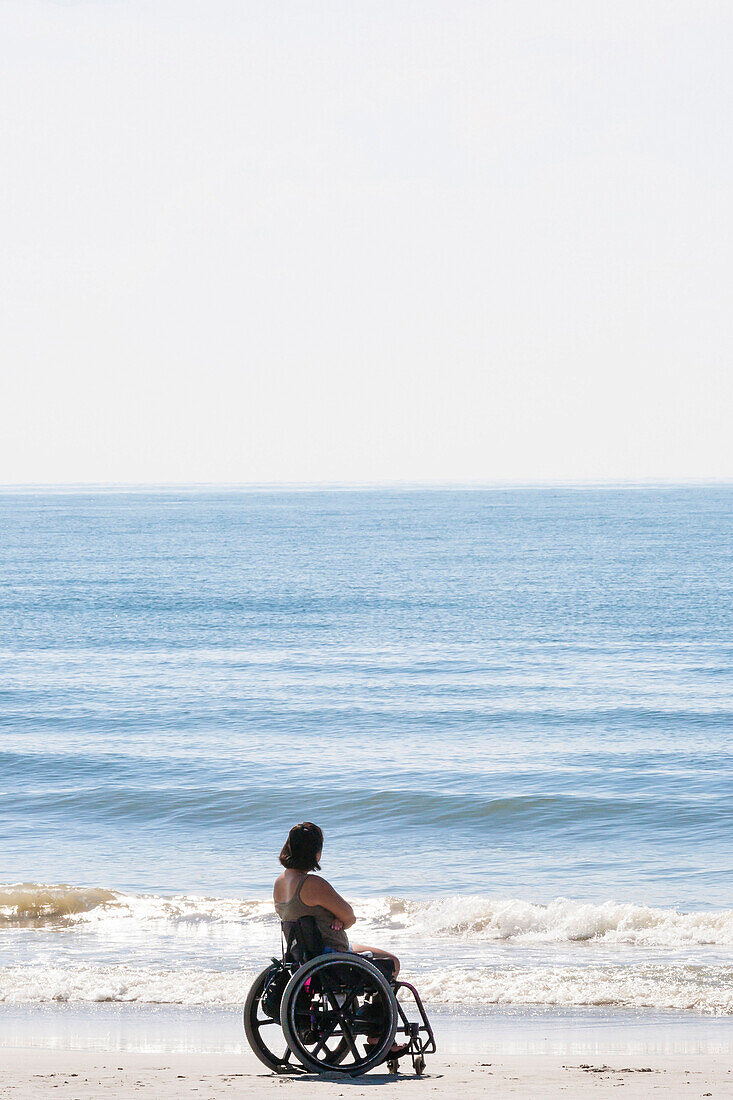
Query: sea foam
{"x": 702, "y": 989}
{"x": 460, "y": 918}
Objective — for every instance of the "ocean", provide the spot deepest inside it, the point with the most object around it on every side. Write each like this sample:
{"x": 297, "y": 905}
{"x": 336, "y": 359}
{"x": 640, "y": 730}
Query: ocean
{"x": 510, "y": 710}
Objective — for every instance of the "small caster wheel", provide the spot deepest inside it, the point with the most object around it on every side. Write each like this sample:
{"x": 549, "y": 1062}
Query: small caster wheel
{"x": 393, "y": 1065}
{"x": 418, "y": 1064}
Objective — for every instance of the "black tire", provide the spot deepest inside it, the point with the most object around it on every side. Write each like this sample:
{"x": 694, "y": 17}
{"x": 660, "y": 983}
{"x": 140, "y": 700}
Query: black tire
{"x": 320, "y": 1015}
{"x": 271, "y": 1047}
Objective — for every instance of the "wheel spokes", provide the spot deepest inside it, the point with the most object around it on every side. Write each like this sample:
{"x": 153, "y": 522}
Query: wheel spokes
{"x": 331, "y": 1014}
{"x": 271, "y": 1047}
{"x": 344, "y": 1015}
{"x": 350, "y": 1040}
{"x": 322, "y": 1043}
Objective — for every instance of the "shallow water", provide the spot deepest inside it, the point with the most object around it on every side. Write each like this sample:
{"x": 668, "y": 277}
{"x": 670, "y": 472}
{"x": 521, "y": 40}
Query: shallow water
{"x": 491, "y": 1032}
{"x": 488, "y": 699}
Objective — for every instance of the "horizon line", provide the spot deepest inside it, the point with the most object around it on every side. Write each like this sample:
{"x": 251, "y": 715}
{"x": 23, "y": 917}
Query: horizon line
{"x": 353, "y": 486}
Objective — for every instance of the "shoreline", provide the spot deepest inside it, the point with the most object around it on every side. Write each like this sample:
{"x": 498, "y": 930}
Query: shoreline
{"x": 117, "y": 1051}
{"x": 83, "y": 1075}
{"x": 507, "y": 1031}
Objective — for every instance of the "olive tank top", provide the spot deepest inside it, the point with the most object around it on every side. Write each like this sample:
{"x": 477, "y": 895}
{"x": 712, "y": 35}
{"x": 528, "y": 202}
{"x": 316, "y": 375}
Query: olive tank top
{"x": 295, "y": 909}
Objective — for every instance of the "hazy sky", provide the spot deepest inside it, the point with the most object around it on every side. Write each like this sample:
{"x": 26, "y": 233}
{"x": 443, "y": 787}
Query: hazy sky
{"x": 365, "y": 241}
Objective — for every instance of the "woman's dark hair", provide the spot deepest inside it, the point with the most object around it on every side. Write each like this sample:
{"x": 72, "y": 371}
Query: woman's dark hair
{"x": 302, "y": 847}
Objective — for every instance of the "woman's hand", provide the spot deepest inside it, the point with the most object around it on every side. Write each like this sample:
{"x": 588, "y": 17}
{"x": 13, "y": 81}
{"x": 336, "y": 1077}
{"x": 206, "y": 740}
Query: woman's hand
{"x": 337, "y": 925}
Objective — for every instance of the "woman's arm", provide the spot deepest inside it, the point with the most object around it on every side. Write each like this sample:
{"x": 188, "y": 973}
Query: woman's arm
{"x": 316, "y": 891}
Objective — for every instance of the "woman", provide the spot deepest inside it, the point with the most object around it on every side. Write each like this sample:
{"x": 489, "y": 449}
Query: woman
{"x": 299, "y": 893}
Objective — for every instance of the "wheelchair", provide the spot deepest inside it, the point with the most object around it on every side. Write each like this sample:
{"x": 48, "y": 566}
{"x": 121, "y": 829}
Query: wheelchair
{"x": 331, "y": 1012}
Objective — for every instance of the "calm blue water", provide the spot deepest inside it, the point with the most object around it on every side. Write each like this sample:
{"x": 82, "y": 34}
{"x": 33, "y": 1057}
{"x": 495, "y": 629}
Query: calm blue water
{"x": 507, "y": 694}
{"x": 514, "y": 690}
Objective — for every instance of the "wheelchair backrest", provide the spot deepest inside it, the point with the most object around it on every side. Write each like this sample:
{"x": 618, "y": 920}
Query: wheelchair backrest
{"x": 303, "y": 940}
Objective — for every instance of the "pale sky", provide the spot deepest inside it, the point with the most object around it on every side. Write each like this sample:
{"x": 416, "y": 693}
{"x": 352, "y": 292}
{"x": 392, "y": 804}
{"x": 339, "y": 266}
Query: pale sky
{"x": 365, "y": 241}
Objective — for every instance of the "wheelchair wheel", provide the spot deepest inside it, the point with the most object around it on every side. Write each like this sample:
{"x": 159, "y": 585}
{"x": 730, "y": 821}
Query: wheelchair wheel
{"x": 264, "y": 1034}
{"x": 331, "y": 1007}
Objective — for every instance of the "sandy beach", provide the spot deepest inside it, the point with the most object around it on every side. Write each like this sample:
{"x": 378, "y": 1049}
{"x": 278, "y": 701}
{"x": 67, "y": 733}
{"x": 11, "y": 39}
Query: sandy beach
{"x": 33, "y": 1073}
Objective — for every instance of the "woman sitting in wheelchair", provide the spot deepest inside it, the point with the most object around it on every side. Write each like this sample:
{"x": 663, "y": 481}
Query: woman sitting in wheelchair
{"x": 299, "y": 893}
{"x": 335, "y": 1004}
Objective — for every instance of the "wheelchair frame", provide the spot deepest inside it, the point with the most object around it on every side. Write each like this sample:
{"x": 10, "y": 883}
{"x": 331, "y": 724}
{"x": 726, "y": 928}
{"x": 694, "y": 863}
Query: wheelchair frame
{"x": 330, "y": 1004}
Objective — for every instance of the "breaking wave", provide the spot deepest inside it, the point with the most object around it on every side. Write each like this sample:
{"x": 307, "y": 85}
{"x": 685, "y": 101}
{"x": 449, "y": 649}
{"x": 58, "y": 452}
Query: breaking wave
{"x": 461, "y": 918}
{"x": 27, "y": 903}
{"x": 148, "y": 949}
{"x": 567, "y": 921}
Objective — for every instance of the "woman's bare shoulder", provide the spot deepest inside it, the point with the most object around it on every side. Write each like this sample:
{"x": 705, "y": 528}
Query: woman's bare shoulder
{"x": 316, "y": 890}
{"x": 280, "y": 890}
